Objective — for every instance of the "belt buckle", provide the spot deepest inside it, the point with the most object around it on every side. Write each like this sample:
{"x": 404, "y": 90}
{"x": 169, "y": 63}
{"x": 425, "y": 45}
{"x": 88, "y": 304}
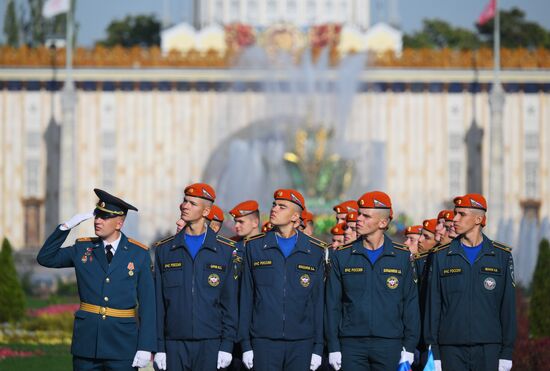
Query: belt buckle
{"x": 102, "y": 310}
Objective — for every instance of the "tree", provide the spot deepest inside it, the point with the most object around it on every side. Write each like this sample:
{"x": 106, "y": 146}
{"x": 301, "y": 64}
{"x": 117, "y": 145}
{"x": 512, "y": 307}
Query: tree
{"x": 11, "y": 26}
{"x": 142, "y": 30}
{"x": 439, "y": 34}
{"x": 516, "y": 31}
{"x": 12, "y": 298}
{"x": 540, "y": 300}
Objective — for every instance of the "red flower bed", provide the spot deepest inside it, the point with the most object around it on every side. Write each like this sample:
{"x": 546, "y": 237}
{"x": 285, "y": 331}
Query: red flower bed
{"x": 53, "y": 309}
{"x": 10, "y": 353}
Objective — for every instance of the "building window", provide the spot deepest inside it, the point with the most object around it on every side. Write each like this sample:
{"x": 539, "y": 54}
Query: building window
{"x": 455, "y": 176}
{"x": 531, "y": 176}
{"x": 32, "y": 208}
{"x": 531, "y": 142}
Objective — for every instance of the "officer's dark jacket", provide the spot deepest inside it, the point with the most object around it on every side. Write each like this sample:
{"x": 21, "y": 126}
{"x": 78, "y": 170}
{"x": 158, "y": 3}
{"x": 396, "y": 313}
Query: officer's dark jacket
{"x": 471, "y": 304}
{"x": 366, "y": 300}
{"x": 282, "y": 299}
{"x": 108, "y": 285}
{"x": 196, "y": 298}
{"x": 423, "y": 262}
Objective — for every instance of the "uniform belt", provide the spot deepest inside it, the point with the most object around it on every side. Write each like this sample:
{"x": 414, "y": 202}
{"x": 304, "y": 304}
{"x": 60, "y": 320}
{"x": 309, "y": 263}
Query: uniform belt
{"x": 106, "y": 311}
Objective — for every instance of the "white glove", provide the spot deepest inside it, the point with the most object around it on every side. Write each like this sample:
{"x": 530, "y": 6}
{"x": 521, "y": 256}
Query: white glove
{"x": 141, "y": 359}
{"x": 504, "y": 365}
{"x": 76, "y": 220}
{"x": 437, "y": 363}
{"x": 315, "y": 362}
{"x": 335, "y": 360}
{"x": 248, "y": 359}
{"x": 406, "y": 357}
{"x": 224, "y": 359}
{"x": 160, "y": 360}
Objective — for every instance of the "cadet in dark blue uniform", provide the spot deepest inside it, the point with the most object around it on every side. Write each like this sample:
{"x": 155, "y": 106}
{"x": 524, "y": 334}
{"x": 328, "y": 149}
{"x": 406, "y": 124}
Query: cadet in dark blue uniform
{"x": 470, "y": 317}
{"x": 281, "y": 312}
{"x": 196, "y": 291}
{"x": 372, "y": 300}
{"x": 116, "y": 319}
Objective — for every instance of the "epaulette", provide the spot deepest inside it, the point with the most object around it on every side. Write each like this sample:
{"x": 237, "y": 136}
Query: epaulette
{"x": 442, "y": 247}
{"x": 420, "y": 255}
{"x": 87, "y": 239}
{"x": 167, "y": 239}
{"x": 137, "y": 243}
{"x": 318, "y": 242}
{"x": 346, "y": 246}
{"x": 256, "y": 236}
{"x": 225, "y": 240}
{"x": 500, "y": 245}
{"x": 399, "y": 246}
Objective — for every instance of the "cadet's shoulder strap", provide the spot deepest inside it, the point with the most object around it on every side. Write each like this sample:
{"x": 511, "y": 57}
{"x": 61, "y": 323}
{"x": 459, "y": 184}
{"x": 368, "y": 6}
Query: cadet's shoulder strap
{"x": 255, "y": 237}
{"x": 167, "y": 239}
{"x": 317, "y": 242}
{"x": 400, "y": 246}
{"x": 137, "y": 243}
{"x": 500, "y": 245}
{"x": 226, "y": 241}
{"x": 442, "y": 247}
{"x": 420, "y": 255}
{"x": 346, "y": 246}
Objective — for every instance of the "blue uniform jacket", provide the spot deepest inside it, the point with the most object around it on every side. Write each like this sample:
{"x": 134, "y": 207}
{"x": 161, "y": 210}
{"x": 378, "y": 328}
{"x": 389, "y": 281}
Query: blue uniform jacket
{"x": 108, "y": 285}
{"x": 471, "y": 304}
{"x": 196, "y": 298}
{"x": 366, "y": 300}
{"x": 282, "y": 299}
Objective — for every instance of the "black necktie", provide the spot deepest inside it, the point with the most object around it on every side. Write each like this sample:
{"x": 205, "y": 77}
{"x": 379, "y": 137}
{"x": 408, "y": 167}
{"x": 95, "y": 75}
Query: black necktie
{"x": 109, "y": 253}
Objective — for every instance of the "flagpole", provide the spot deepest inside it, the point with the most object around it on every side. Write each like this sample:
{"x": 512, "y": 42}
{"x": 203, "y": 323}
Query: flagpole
{"x": 496, "y": 155}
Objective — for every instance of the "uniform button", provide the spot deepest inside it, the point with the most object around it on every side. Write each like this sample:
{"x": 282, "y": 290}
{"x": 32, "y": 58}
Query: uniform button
{"x": 103, "y": 317}
{"x": 107, "y": 280}
{"x": 106, "y": 298}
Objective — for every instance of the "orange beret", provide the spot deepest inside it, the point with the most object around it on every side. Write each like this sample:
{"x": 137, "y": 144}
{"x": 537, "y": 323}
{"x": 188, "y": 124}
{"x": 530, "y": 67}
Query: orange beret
{"x": 244, "y": 208}
{"x": 429, "y": 225}
{"x": 339, "y": 229}
{"x": 266, "y": 227}
{"x": 413, "y": 229}
{"x": 306, "y": 216}
{"x": 290, "y": 195}
{"x": 346, "y": 207}
{"x": 215, "y": 214}
{"x": 375, "y": 200}
{"x": 351, "y": 216}
{"x": 201, "y": 190}
{"x": 471, "y": 201}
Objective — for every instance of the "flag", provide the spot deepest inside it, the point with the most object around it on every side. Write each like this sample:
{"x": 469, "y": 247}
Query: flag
{"x": 488, "y": 13}
{"x": 404, "y": 366}
{"x": 430, "y": 363}
{"x": 52, "y": 8}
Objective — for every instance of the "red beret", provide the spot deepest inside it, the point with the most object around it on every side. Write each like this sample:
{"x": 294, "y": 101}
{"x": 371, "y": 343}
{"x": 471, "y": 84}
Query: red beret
{"x": 351, "y": 216}
{"x": 306, "y": 216}
{"x": 244, "y": 208}
{"x": 429, "y": 225}
{"x": 413, "y": 229}
{"x": 339, "y": 229}
{"x": 290, "y": 195}
{"x": 471, "y": 201}
{"x": 215, "y": 214}
{"x": 201, "y": 190}
{"x": 449, "y": 215}
{"x": 346, "y": 207}
{"x": 375, "y": 200}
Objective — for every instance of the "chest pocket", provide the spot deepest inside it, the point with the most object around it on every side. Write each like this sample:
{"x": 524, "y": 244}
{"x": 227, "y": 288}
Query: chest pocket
{"x": 264, "y": 272}
{"x": 214, "y": 274}
{"x": 353, "y": 277}
{"x": 172, "y": 274}
{"x": 453, "y": 279}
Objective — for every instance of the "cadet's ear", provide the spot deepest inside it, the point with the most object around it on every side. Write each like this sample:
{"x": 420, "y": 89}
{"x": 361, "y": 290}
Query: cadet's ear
{"x": 120, "y": 222}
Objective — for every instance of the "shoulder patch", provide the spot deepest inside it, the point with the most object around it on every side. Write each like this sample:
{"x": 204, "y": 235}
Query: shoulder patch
{"x": 346, "y": 246}
{"x": 87, "y": 239}
{"x": 500, "y": 245}
{"x": 318, "y": 242}
{"x": 399, "y": 246}
{"x": 256, "y": 236}
{"x": 168, "y": 239}
{"x": 225, "y": 240}
{"x": 137, "y": 243}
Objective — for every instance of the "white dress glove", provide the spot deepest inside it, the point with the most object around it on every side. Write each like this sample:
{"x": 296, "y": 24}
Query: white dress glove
{"x": 504, "y": 365}
{"x": 76, "y": 220}
{"x": 224, "y": 359}
{"x": 248, "y": 359}
{"x": 160, "y": 360}
{"x": 437, "y": 364}
{"x": 406, "y": 357}
{"x": 141, "y": 359}
{"x": 315, "y": 362}
{"x": 335, "y": 360}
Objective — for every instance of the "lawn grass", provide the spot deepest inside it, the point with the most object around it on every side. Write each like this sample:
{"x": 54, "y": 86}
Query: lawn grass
{"x": 53, "y": 358}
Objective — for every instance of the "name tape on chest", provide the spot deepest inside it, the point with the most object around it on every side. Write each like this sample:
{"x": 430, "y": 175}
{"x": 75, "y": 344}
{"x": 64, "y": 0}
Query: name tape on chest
{"x": 217, "y": 267}
{"x": 490, "y": 270}
{"x": 450, "y": 271}
{"x": 305, "y": 267}
{"x": 262, "y": 263}
{"x": 172, "y": 265}
{"x": 391, "y": 270}
{"x": 354, "y": 269}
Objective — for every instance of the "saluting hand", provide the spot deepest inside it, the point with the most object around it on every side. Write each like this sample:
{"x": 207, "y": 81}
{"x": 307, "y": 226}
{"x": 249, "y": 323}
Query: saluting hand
{"x": 76, "y": 220}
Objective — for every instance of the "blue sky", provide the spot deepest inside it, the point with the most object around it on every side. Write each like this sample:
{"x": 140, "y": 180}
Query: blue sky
{"x": 94, "y": 15}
